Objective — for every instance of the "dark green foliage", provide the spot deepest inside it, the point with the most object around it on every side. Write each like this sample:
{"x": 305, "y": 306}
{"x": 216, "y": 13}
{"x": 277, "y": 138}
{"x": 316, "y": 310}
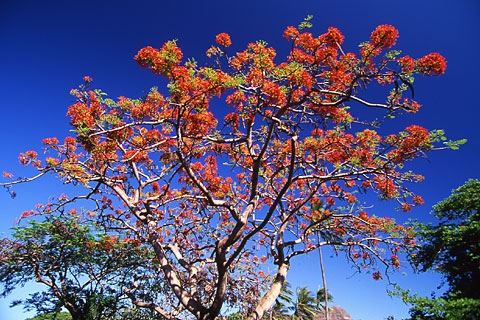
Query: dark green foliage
{"x": 321, "y": 298}
{"x": 445, "y": 308}
{"x": 452, "y": 248}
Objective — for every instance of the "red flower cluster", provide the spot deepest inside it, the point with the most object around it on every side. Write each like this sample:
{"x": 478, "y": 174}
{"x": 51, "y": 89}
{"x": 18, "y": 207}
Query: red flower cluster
{"x": 27, "y": 157}
{"x": 406, "y": 207}
{"x": 415, "y": 139}
{"x": 234, "y": 120}
{"x": 317, "y": 132}
{"x": 50, "y": 141}
{"x": 333, "y": 37}
{"x": 307, "y": 41}
{"x": 84, "y": 114}
{"x": 386, "y": 186}
{"x": 144, "y": 110}
{"x": 330, "y": 201}
{"x": 407, "y": 63}
{"x": 384, "y": 36}
{"x": 52, "y": 162}
{"x": 31, "y": 154}
{"x": 199, "y": 124}
{"x": 432, "y": 64}
{"x": 418, "y": 138}
{"x": 418, "y": 200}
{"x": 410, "y": 105}
{"x": 223, "y": 39}
{"x": 155, "y": 187}
{"x": 290, "y": 33}
{"x": 160, "y": 61}
{"x": 69, "y": 140}
{"x": 274, "y": 93}
{"x": 363, "y": 215}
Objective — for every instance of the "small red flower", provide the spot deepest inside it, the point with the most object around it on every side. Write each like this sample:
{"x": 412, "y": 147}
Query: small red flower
{"x": 395, "y": 261}
{"x": 155, "y": 187}
{"x": 377, "y": 275}
{"x": 8, "y": 175}
{"x": 330, "y": 201}
{"x": 406, "y": 207}
{"x": 418, "y": 200}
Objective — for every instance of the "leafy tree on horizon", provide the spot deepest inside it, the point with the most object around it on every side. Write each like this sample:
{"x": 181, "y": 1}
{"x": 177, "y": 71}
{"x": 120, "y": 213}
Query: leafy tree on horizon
{"x": 451, "y": 248}
{"x": 83, "y": 271}
{"x": 207, "y": 191}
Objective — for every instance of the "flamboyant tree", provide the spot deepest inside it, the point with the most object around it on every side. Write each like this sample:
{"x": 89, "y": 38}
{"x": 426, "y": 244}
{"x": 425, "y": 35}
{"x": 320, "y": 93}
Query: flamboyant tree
{"x": 217, "y": 194}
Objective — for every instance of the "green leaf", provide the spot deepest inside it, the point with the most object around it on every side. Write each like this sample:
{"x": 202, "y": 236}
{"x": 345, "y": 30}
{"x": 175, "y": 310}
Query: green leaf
{"x": 454, "y": 144}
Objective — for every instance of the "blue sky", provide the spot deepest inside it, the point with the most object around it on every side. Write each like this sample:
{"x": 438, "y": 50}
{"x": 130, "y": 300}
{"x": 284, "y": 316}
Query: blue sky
{"x": 48, "y": 46}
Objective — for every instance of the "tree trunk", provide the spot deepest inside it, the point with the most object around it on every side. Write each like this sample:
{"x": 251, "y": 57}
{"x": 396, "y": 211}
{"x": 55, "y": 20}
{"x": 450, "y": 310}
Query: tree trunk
{"x": 269, "y": 298}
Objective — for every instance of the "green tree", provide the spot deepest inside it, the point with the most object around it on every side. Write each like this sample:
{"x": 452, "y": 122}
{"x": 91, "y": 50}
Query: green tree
{"x": 83, "y": 271}
{"x": 451, "y": 247}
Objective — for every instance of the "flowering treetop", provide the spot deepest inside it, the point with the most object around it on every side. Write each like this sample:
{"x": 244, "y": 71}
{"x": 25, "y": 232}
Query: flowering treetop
{"x": 285, "y": 164}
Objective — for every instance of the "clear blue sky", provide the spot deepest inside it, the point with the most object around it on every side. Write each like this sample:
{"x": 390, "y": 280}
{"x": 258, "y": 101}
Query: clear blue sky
{"x": 48, "y": 46}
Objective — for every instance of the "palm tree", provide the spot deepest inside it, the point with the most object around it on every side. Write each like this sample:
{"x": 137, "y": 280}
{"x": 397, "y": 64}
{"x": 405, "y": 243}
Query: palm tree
{"x": 280, "y": 308}
{"x": 305, "y": 306}
{"x": 321, "y": 298}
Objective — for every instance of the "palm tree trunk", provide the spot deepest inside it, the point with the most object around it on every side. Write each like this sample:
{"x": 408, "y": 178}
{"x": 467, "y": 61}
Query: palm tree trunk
{"x": 323, "y": 278}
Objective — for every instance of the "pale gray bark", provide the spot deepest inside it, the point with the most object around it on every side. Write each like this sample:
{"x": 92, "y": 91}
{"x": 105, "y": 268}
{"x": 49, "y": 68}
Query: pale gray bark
{"x": 271, "y": 295}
